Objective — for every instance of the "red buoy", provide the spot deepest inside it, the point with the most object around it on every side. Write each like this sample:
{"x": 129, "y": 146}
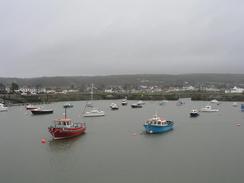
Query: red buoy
{"x": 43, "y": 141}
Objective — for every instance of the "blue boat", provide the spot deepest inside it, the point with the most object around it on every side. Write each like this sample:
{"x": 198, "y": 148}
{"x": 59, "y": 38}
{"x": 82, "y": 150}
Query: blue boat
{"x": 242, "y": 107}
{"x": 158, "y": 125}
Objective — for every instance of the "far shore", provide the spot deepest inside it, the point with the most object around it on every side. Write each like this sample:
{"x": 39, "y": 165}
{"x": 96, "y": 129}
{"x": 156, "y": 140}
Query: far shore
{"x": 16, "y": 99}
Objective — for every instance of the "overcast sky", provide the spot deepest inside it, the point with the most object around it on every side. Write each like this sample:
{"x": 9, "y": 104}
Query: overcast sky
{"x": 101, "y": 37}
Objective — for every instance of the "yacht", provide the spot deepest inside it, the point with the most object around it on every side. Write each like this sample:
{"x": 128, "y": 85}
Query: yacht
{"x": 194, "y": 113}
{"x": 163, "y": 102}
{"x": 136, "y": 105}
{"x": 215, "y": 101}
{"x": 209, "y": 108}
{"x": 124, "y": 102}
{"x": 114, "y": 106}
{"x": 140, "y": 102}
{"x": 94, "y": 113}
{"x": 39, "y": 111}
{"x": 234, "y": 104}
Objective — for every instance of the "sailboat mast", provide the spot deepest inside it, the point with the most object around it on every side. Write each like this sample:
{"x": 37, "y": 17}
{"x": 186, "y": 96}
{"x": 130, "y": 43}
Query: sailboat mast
{"x": 92, "y": 92}
{"x": 65, "y": 112}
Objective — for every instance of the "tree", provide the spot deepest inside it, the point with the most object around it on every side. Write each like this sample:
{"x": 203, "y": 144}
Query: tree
{"x": 2, "y": 88}
{"x": 14, "y": 86}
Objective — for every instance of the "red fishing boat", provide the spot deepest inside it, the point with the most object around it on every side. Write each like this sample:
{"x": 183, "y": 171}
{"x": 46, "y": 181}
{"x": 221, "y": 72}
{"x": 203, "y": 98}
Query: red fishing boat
{"x": 65, "y": 128}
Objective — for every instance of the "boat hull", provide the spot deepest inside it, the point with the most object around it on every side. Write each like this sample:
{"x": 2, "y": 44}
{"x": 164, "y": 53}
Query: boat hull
{"x": 212, "y": 110}
{"x": 136, "y": 106}
{"x": 114, "y": 108}
{"x": 37, "y": 112}
{"x": 194, "y": 114}
{"x": 159, "y": 129}
{"x": 31, "y": 108}
{"x": 94, "y": 115}
{"x": 3, "y": 109}
{"x": 63, "y": 133}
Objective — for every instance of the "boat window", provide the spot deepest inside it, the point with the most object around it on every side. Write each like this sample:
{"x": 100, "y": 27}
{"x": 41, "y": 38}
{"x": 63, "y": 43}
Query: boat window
{"x": 159, "y": 123}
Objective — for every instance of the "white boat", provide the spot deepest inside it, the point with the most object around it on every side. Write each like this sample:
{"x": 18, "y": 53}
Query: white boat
{"x": 215, "y": 101}
{"x": 140, "y": 102}
{"x": 124, "y": 102}
{"x": 163, "y": 102}
{"x": 114, "y": 106}
{"x": 94, "y": 113}
{"x": 209, "y": 108}
{"x": 194, "y": 113}
{"x": 136, "y": 105}
{"x": 3, "y": 108}
{"x": 234, "y": 104}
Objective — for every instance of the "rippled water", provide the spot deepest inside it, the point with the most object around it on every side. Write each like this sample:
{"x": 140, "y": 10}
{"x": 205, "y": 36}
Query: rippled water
{"x": 209, "y": 148}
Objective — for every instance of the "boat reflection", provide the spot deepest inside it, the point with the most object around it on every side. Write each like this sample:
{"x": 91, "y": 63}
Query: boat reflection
{"x": 63, "y": 145}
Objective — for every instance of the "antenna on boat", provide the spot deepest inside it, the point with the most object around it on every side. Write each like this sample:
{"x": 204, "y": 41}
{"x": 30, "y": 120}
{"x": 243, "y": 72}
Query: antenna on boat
{"x": 65, "y": 112}
{"x": 156, "y": 113}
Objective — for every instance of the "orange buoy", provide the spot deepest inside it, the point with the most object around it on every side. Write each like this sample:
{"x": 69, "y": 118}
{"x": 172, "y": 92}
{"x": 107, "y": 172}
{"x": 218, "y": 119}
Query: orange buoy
{"x": 43, "y": 141}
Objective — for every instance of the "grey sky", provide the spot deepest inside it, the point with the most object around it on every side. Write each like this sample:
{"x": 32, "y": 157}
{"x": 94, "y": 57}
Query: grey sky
{"x": 97, "y": 37}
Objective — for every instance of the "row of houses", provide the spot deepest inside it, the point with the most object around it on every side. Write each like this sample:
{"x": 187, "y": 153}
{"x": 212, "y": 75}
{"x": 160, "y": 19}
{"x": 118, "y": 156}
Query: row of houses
{"x": 118, "y": 89}
{"x": 155, "y": 89}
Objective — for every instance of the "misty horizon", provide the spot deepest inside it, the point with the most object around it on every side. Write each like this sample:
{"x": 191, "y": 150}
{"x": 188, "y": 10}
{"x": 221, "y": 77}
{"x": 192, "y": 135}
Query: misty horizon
{"x": 111, "y": 75}
{"x": 74, "y": 38}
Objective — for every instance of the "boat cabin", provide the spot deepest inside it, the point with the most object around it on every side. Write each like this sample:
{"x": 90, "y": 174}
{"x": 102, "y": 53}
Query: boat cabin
{"x": 156, "y": 121}
{"x": 66, "y": 122}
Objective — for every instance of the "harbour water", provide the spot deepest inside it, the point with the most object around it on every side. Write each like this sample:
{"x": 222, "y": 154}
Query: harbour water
{"x": 206, "y": 149}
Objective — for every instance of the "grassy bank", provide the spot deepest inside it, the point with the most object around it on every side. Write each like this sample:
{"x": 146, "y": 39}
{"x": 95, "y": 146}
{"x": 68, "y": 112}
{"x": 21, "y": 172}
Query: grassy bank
{"x": 204, "y": 96}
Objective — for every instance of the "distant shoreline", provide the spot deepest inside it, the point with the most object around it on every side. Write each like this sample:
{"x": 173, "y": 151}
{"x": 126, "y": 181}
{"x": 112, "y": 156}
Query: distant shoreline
{"x": 46, "y": 98}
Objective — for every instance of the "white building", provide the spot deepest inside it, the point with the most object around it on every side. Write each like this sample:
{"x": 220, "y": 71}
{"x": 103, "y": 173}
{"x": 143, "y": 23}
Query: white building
{"x": 188, "y": 88}
{"x": 235, "y": 90}
{"x": 109, "y": 90}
